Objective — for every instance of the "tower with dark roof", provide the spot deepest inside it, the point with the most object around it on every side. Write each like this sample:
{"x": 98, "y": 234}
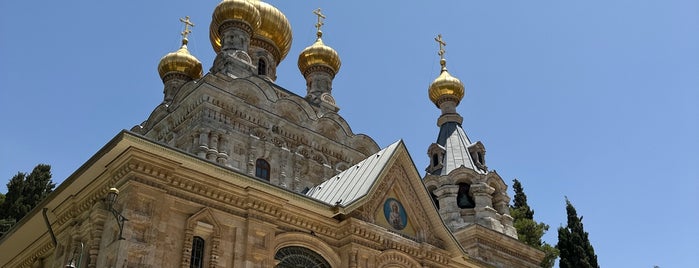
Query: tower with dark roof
{"x": 463, "y": 188}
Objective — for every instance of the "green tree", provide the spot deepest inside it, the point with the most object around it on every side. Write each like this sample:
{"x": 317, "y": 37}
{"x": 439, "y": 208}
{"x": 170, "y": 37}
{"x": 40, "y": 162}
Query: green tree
{"x": 528, "y": 230}
{"x": 573, "y": 243}
{"x": 24, "y": 192}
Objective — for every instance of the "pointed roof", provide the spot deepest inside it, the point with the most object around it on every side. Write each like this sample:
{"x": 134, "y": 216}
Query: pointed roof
{"x": 457, "y": 146}
{"x": 356, "y": 181}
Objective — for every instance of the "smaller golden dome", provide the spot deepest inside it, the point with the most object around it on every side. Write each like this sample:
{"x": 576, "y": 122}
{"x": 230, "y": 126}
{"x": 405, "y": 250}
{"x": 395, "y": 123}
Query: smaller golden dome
{"x": 275, "y": 27}
{"x": 446, "y": 87}
{"x": 242, "y": 10}
{"x": 319, "y": 54}
{"x": 180, "y": 61}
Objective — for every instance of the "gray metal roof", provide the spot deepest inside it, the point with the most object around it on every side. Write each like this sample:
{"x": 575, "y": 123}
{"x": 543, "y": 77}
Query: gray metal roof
{"x": 356, "y": 181}
{"x": 455, "y": 142}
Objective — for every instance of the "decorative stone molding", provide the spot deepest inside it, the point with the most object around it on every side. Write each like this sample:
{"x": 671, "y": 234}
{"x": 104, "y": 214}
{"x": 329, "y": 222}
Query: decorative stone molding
{"x": 396, "y": 258}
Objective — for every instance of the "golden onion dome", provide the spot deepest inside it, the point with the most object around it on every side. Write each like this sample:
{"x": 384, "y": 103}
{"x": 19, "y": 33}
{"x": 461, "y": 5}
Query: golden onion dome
{"x": 318, "y": 54}
{"x": 446, "y": 86}
{"x": 180, "y": 61}
{"x": 242, "y": 10}
{"x": 274, "y": 26}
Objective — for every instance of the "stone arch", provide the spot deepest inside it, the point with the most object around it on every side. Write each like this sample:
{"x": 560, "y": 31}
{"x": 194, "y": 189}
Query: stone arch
{"x": 329, "y": 128}
{"x": 264, "y": 86}
{"x": 432, "y": 182}
{"x": 395, "y": 258}
{"x": 497, "y": 183}
{"x": 319, "y": 158}
{"x": 294, "y": 111}
{"x": 279, "y": 141}
{"x": 463, "y": 177}
{"x": 340, "y": 121}
{"x": 500, "y": 198}
{"x": 365, "y": 144}
{"x": 308, "y": 241}
{"x": 248, "y": 91}
{"x": 304, "y": 151}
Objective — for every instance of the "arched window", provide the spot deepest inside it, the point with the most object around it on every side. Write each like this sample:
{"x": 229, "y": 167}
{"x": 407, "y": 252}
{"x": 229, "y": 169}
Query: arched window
{"x": 197, "y": 260}
{"x": 262, "y": 169}
{"x": 435, "y": 160}
{"x": 261, "y": 67}
{"x": 463, "y": 199}
{"x": 293, "y": 257}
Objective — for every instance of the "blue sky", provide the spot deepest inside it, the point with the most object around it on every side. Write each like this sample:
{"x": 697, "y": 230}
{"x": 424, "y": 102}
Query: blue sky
{"x": 594, "y": 100}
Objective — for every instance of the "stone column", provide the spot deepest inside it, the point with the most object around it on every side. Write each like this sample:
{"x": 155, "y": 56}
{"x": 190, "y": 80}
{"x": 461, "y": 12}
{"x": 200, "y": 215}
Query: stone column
{"x": 448, "y": 208}
{"x": 485, "y": 214}
{"x": 212, "y": 153}
{"x": 203, "y": 142}
{"x": 222, "y": 156}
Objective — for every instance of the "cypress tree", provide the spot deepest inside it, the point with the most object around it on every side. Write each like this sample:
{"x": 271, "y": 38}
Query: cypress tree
{"x": 528, "y": 230}
{"x": 24, "y": 192}
{"x": 573, "y": 243}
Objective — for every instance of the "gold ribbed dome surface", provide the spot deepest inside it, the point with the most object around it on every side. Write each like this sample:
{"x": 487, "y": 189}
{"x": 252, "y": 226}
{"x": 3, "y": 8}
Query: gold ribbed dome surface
{"x": 242, "y": 10}
{"x": 180, "y": 61}
{"x": 319, "y": 54}
{"x": 446, "y": 85}
{"x": 274, "y": 26}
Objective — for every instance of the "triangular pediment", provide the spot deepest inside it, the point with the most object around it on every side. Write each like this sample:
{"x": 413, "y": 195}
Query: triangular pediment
{"x": 386, "y": 190}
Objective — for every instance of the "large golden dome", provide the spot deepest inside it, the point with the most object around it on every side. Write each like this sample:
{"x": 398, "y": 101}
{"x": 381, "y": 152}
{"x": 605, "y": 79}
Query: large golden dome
{"x": 180, "y": 61}
{"x": 319, "y": 54}
{"x": 446, "y": 87}
{"x": 274, "y": 26}
{"x": 242, "y": 10}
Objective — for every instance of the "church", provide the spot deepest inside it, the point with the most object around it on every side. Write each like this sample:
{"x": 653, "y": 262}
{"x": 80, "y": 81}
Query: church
{"x": 234, "y": 170}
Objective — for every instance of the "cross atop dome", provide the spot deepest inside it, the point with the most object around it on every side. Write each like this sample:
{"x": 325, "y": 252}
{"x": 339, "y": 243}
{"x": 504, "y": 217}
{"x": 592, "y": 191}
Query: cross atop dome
{"x": 442, "y": 44}
{"x": 187, "y": 23}
{"x": 320, "y": 23}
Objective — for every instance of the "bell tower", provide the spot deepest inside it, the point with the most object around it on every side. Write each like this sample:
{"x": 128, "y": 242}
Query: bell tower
{"x": 463, "y": 188}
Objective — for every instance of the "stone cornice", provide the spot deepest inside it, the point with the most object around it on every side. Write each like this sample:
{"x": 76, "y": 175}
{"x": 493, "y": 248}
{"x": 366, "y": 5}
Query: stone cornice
{"x": 479, "y": 236}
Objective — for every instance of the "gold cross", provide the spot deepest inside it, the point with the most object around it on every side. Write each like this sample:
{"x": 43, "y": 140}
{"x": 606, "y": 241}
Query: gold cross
{"x": 187, "y": 23}
{"x": 320, "y": 20}
{"x": 442, "y": 44}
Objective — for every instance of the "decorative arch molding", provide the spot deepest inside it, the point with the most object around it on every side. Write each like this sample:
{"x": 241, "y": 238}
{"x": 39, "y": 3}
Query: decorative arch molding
{"x": 319, "y": 158}
{"x": 212, "y": 231}
{"x": 263, "y": 86}
{"x": 340, "y": 121}
{"x": 329, "y": 129}
{"x": 310, "y": 242}
{"x": 395, "y": 258}
{"x": 432, "y": 182}
{"x": 365, "y": 144}
{"x": 465, "y": 175}
{"x": 494, "y": 180}
{"x": 185, "y": 90}
{"x": 251, "y": 92}
{"x": 300, "y": 108}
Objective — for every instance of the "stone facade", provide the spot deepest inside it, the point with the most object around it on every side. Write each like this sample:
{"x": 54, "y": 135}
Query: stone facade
{"x": 219, "y": 174}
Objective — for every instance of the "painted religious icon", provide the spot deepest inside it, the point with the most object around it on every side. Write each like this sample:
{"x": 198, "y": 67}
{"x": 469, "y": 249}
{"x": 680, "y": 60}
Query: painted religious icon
{"x": 395, "y": 214}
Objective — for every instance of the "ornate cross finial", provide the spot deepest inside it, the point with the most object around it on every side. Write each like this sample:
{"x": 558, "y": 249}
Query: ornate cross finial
{"x": 442, "y": 44}
{"x": 320, "y": 21}
{"x": 187, "y": 24}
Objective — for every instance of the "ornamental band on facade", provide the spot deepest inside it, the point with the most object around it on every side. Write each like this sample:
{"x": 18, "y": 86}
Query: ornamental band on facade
{"x": 233, "y": 170}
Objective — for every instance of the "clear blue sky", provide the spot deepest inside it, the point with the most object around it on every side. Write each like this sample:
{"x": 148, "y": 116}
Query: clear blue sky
{"x": 595, "y": 100}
